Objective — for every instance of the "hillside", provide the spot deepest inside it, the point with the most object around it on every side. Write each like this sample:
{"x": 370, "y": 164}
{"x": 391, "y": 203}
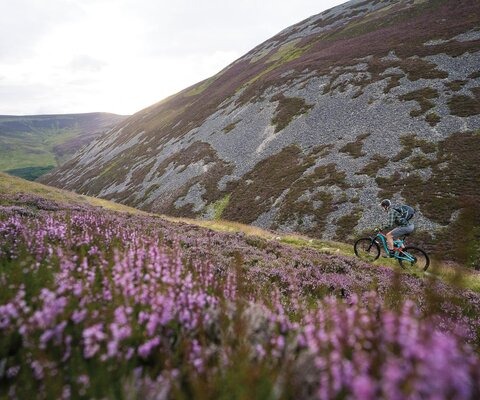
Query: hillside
{"x": 312, "y": 128}
{"x": 109, "y": 304}
{"x": 32, "y": 145}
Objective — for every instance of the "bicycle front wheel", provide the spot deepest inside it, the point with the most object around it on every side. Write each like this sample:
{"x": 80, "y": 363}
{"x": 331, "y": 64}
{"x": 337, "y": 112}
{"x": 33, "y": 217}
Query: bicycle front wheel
{"x": 413, "y": 258}
{"x": 366, "y": 249}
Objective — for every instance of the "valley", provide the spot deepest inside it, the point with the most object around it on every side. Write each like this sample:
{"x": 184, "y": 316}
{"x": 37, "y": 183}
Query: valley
{"x": 31, "y": 146}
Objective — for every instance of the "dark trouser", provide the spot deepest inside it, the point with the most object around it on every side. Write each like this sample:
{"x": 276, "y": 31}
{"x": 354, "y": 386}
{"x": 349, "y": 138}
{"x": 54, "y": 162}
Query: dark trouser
{"x": 402, "y": 230}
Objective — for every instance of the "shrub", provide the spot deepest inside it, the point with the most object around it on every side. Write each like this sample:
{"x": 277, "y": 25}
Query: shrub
{"x": 422, "y": 97}
{"x": 287, "y": 109}
{"x": 355, "y": 148}
{"x": 420, "y": 162}
{"x": 432, "y": 118}
{"x": 230, "y": 126}
{"x": 393, "y": 82}
{"x": 346, "y": 224}
{"x": 377, "y": 163}
{"x": 464, "y": 106}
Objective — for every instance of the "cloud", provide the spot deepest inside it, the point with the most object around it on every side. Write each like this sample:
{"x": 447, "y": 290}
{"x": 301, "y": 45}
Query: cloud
{"x": 123, "y": 55}
{"x": 23, "y": 23}
{"x": 85, "y": 63}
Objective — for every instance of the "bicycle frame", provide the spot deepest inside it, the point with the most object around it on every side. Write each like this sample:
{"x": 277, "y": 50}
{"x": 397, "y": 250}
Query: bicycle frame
{"x": 398, "y": 245}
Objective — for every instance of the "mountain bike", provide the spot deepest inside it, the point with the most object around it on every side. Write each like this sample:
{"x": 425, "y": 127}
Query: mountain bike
{"x": 368, "y": 249}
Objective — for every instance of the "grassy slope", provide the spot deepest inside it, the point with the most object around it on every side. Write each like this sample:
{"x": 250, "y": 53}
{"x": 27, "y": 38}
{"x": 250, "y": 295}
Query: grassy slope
{"x": 37, "y": 142}
{"x": 108, "y": 301}
{"x": 13, "y": 185}
{"x": 455, "y": 275}
{"x": 32, "y": 150}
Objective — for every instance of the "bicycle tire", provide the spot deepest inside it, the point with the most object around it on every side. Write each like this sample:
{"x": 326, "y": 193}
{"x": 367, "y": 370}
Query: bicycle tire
{"x": 422, "y": 261}
{"x": 366, "y": 249}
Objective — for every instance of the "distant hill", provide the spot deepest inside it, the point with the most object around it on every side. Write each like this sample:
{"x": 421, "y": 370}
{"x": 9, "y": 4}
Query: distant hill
{"x": 32, "y": 145}
{"x": 312, "y": 128}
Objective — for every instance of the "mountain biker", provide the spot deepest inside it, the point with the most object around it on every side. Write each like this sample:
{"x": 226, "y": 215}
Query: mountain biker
{"x": 398, "y": 223}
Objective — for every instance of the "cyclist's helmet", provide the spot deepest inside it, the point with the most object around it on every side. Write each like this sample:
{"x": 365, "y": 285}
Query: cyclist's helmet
{"x": 386, "y": 203}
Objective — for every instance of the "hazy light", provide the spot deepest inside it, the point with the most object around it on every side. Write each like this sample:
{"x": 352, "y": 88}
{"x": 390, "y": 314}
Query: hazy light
{"x": 120, "y": 56}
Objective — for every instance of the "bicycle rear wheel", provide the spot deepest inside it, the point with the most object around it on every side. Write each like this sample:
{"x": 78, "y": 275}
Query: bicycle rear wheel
{"x": 419, "y": 259}
{"x": 366, "y": 249}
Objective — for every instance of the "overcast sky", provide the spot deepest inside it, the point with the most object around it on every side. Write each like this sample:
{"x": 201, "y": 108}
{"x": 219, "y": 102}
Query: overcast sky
{"x": 120, "y": 56}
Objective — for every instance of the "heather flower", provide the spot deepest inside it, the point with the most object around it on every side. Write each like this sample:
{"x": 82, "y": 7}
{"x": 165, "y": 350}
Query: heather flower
{"x": 8, "y": 313}
{"x": 38, "y": 370}
{"x": 196, "y": 355}
{"x": 92, "y": 338}
{"x": 12, "y": 372}
{"x": 128, "y": 290}
{"x": 78, "y": 315}
{"x": 145, "y": 349}
{"x": 55, "y": 334}
{"x": 66, "y": 392}
{"x": 119, "y": 330}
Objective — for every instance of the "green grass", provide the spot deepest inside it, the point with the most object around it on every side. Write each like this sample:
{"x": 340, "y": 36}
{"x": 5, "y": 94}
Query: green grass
{"x": 284, "y": 54}
{"x": 219, "y": 206}
{"x": 12, "y": 185}
{"x": 10, "y": 160}
{"x": 198, "y": 88}
{"x": 455, "y": 275}
{"x": 288, "y": 52}
{"x": 32, "y": 149}
{"x": 30, "y": 173}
